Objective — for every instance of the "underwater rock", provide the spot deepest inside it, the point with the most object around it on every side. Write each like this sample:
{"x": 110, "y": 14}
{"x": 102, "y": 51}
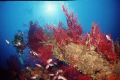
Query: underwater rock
{"x": 85, "y": 60}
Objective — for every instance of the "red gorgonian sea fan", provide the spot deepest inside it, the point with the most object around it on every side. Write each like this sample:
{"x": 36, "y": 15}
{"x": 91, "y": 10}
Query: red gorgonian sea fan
{"x": 73, "y": 33}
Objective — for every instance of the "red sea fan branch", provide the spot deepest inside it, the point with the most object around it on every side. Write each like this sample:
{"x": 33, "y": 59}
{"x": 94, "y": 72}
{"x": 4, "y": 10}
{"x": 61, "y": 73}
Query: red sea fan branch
{"x": 102, "y": 42}
{"x": 45, "y": 53}
{"x": 61, "y": 36}
{"x": 36, "y": 40}
{"x": 36, "y": 36}
{"x": 74, "y": 29}
{"x": 72, "y": 34}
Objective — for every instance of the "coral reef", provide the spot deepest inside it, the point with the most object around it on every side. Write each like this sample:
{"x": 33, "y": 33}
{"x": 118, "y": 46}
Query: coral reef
{"x": 68, "y": 54}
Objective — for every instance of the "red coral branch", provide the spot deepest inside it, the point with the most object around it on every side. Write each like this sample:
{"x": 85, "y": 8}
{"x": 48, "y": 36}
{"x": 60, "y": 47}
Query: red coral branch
{"x": 74, "y": 29}
{"x": 36, "y": 39}
{"x": 101, "y": 41}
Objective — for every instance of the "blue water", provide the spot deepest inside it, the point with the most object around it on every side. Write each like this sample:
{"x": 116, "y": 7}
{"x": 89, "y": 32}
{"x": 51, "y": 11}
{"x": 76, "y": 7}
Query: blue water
{"x": 16, "y": 16}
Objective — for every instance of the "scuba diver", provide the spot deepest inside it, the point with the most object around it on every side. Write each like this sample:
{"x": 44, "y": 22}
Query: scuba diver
{"x": 18, "y": 42}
